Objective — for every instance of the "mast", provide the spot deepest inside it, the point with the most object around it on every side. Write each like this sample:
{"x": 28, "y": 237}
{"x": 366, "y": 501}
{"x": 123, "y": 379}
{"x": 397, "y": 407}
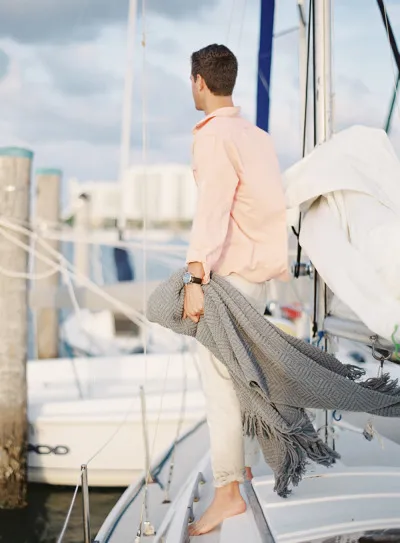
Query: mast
{"x": 323, "y": 70}
{"x": 264, "y": 63}
{"x": 303, "y": 71}
{"x": 323, "y": 132}
{"x": 126, "y": 118}
{"x": 322, "y": 108}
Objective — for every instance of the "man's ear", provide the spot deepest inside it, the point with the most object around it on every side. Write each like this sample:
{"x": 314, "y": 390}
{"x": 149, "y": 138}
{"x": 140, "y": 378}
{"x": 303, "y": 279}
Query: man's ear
{"x": 200, "y": 83}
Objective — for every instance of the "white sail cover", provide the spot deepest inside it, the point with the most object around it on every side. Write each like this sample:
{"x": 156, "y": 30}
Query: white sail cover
{"x": 349, "y": 190}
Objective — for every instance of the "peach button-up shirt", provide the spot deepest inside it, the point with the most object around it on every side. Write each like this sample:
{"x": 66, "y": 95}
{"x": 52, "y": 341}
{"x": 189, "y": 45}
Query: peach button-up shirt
{"x": 240, "y": 220}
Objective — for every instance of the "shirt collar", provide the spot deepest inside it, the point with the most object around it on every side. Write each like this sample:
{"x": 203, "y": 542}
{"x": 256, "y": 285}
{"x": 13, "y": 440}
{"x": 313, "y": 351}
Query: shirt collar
{"x": 230, "y": 111}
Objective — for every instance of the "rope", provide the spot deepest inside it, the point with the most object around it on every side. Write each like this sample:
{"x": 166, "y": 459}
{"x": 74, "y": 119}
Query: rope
{"x": 65, "y": 266}
{"x": 178, "y": 433}
{"x": 78, "y": 313}
{"x": 33, "y": 253}
{"x": 66, "y": 522}
{"x": 67, "y": 276}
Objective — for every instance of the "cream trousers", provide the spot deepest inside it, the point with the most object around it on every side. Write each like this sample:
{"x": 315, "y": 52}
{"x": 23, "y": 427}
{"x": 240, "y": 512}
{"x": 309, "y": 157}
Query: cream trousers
{"x": 231, "y": 452}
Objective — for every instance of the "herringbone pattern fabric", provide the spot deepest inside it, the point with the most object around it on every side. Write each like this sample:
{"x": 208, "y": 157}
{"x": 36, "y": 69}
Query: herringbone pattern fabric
{"x": 275, "y": 375}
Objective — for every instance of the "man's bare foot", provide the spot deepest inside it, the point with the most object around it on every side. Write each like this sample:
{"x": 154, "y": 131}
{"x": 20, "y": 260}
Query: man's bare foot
{"x": 249, "y": 474}
{"x": 227, "y": 502}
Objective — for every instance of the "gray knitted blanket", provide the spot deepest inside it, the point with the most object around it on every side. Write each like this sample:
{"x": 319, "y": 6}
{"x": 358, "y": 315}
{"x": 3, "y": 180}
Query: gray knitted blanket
{"x": 276, "y": 376}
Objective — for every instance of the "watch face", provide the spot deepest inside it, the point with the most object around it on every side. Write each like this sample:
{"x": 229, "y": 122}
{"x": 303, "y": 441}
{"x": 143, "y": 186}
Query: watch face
{"x": 187, "y": 278}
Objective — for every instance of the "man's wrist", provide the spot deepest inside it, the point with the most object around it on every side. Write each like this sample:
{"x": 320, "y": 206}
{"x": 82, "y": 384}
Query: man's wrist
{"x": 190, "y": 279}
{"x": 196, "y": 269}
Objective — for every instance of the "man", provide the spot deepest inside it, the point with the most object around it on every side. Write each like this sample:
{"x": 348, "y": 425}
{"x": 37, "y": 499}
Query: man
{"x": 239, "y": 232}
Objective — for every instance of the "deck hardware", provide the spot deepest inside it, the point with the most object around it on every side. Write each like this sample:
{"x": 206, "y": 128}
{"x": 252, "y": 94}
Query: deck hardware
{"x": 378, "y": 350}
{"x": 189, "y": 517}
{"x": 302, "y": 269}
{"x": 85, "y": 504}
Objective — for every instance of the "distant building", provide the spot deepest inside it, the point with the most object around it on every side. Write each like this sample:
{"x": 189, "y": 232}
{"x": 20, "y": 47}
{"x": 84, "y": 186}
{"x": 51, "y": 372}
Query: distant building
{"x": 168, "y": 189}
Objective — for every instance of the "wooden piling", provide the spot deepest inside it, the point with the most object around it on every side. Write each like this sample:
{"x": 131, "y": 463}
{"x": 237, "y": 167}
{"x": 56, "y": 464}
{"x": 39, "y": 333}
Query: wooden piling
{"x": 15, "y": 178}
{"x": 47, "y": 213}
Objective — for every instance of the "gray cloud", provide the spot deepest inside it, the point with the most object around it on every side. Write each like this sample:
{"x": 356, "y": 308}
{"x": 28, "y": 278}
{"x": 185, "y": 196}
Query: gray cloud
{"x": 168, "y": 46}
{"x": 352, "y": 85}
{"x": 47, "y": 118}
{"x": 4, "y": 63}
{"x": 63, "y": 21}
{"x": 74, "y": 78}
{"x": 81, "y": 134}
{"x": 356, "y": 104}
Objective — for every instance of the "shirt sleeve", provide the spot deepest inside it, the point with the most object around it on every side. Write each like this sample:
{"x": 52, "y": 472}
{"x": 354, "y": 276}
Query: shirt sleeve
{"x": 217, "y": 181}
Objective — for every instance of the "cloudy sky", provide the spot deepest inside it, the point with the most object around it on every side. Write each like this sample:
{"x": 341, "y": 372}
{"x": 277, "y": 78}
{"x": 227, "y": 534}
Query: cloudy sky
{"x": 62, "y": 66}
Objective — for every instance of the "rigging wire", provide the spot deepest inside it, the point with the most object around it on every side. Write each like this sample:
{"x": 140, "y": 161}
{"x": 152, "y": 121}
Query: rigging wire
{"x": 233, "y": 7}
{"x": 242, "y": 20}
{"x": 393, "y": 53}
{"x": 178, "y": 432}
{"x": 304, "y": 137}
{"x": 145, "y": 172}
{"x": 333, "y": 68}
{"x": 68, "y": 516}
{"x": 314, "y": 59}
{"x": 144, "y": 509}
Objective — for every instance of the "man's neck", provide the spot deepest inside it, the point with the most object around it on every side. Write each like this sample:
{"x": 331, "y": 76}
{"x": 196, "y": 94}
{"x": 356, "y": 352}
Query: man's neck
{"x": 218, "y": 102}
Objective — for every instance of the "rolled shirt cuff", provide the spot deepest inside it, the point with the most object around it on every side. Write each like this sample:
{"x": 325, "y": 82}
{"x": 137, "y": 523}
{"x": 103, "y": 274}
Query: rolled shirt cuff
{"x": 192, "y": 257}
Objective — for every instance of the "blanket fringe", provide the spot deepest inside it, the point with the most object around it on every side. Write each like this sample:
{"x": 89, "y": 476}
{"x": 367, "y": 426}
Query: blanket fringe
{"x": 383, "y": 384}
{"x": 354, "y": 372}
{"x": 300, "y": 445}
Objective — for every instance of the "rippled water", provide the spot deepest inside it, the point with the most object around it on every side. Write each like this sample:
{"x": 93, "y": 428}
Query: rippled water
{"x": 42, "y": 520}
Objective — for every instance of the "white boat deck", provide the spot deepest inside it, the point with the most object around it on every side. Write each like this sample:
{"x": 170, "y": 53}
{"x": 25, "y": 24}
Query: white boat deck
{"x": 124, "y": 520}
{"x": 359, "y": 494}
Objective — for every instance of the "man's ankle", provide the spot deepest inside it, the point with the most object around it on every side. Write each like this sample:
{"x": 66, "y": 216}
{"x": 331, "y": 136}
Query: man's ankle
{"x": 231, "y": 489}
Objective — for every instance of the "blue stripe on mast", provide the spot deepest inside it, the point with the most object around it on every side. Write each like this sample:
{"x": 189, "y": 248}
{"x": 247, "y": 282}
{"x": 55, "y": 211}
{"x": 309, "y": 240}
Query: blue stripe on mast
{"x": 264, "y": 62}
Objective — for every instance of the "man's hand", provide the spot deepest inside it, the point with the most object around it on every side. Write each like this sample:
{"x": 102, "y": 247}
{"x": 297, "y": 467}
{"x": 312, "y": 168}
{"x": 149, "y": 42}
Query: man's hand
{"x": 193, "y": 306}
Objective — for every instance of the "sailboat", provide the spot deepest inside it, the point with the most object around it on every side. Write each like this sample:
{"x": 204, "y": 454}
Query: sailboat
{"x": 357, "y": 499}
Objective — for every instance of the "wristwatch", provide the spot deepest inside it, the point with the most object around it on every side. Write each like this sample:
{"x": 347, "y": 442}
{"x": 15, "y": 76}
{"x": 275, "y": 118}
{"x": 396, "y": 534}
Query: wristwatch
{"x": 188, "y": 278}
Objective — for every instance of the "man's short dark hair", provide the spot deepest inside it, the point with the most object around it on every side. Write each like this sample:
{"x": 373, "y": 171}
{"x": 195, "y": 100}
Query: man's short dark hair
{"x": 218, "y": 66}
